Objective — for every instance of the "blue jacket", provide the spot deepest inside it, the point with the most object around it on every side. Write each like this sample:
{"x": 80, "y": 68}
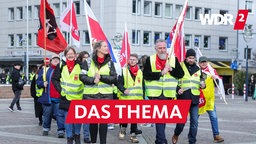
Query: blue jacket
{"x": 45, "y": 98}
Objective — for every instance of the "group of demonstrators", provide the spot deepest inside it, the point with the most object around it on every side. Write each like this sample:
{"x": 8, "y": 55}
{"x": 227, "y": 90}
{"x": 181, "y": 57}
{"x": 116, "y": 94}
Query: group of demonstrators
{"x": 59, "y": 81}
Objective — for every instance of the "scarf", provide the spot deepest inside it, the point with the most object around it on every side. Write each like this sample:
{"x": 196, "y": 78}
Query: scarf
{"x": 134, "y": 69}
{"x": 100, "y": 60}
{"x": 160, "y": 64}
{"x": 70, "y": 65}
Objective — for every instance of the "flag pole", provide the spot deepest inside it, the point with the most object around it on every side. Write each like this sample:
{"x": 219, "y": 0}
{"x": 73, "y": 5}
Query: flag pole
{"x": 126, "y": 47}
{"x": 45, "y": 35}
{"x": 70, "y": 22}
{"x": 89, "y": 29}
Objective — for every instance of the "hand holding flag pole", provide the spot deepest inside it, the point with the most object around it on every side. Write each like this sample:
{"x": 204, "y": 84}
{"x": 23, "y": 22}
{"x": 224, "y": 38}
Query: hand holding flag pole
{"x": 211, "y": 70}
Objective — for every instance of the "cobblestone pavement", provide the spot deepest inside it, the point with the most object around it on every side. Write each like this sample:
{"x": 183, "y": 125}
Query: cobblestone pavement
{"x": 237, "y": 124}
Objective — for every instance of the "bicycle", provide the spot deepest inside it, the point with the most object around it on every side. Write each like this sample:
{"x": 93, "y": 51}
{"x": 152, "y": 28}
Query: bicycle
{"x": 229, "y": 91}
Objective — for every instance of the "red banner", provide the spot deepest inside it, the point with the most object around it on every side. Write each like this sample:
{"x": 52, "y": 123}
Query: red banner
{"x": 128, "y": 111}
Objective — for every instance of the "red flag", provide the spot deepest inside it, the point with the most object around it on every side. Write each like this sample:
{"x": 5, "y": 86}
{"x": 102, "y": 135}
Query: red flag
{"x": 49, "y": 35}
{"x": 125, "y": 51}
{"x": 68, "y": 23}
{"x": 179, "y": 45}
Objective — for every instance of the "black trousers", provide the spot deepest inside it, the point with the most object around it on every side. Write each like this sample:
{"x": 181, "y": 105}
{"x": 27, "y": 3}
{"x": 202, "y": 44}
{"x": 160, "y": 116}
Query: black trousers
{"x": 134, "y": 127}
{"x": 103, "y": 129}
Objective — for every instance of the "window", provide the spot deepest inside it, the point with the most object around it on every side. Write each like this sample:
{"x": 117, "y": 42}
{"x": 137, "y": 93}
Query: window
{"x": 157, "y": 36}
{"x": 29, "y": 39}
{"x": 86, "y": 37}
{"x": 64, "y": 6}
{"x": 136, "y": 8}
{"x": 36, "y": 11}
{"x": 147, "y": 8}
{"x": 166, "y": 35}
{"x": 158, "y": 9}
{"x": 19, "y": 13}
{"x": 88, "y": 2}
{"x": 66, "y": 36}
{"x": 197, "y": 41}
{"x": 223, "y": 43}
{"x": 146, "y": 37}
{"x": 11, "y": 14}
{"x": 56, "y": 7}
{"x": 198, "y": 11}
{"x": 11, "y": 40}
{"x": 207, "y": 40}
{"x": 188, "y": 40}
{"x": 189, "y": 13}
{"x": 207, "y": 11}
{"x": 178, "y": 9}
{"x": 77, "y": 7}
{"x": 29, "y": 12}
{"x": 19, "y": 40}
{"x": 35, "y": 39}
{"x": 248, "y": 54}
{"x": 249, "y": 6}
{"x": 135, "y": 37}
{"x": 168, "y": 10}
{"x": 222, "y": 12}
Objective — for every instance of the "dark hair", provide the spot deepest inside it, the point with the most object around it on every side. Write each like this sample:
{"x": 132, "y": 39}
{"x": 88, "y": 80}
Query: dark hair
{"x": 69, "y": 48}
{"x": 134, "y": 55}
{"x": 81, "y": 55}
{"x": 142, "y": 61}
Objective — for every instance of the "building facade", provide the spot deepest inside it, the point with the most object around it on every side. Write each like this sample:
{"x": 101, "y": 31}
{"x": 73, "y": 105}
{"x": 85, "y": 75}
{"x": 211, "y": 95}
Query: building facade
{"x": 147, "y": 20}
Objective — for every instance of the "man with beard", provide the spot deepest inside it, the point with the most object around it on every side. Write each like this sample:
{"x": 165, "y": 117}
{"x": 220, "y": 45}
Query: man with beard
{"x": 188, "y": 89}
{"x": 161, "y": 78}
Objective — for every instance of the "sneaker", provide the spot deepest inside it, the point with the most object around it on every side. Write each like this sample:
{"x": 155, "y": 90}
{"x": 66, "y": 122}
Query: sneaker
{"x": 61, "y": 135}
{"x": 133, "y": 138}
{"x": 111, "y": 126}
{"x": 218, "y": 139}
{"x": 122, "y": 133}
{"x": 19, "y": 109}
{"x": 10, "y": 109}
{"x": 45, "y": 133}
{"x": 138, "y": 132}
{"x": 175, "y": 139}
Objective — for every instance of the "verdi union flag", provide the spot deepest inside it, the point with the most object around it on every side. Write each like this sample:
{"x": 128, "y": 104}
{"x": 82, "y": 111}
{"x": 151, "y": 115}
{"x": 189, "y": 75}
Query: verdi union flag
{"x": 125, "y": 51}
{"x": 49, "y": 36}
{"x": 68, "y": 23}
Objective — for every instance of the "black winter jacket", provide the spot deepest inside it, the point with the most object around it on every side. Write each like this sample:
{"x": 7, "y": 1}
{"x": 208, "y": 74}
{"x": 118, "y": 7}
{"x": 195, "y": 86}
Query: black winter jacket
{"x": 15, "y": 76}
{"x": 108, "y": 79}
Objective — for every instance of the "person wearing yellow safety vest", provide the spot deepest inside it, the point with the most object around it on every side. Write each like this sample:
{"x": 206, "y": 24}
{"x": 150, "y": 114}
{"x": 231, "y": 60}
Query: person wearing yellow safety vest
{"x": 98, "y": 77}
{"x": 130, "y": 88}
{"x": 188, "y": 89}
{"x": 161, "y": 78}
{"x": 66, "y": 81}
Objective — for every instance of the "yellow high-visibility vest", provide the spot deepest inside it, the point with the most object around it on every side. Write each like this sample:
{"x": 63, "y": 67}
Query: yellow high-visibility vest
{"x": 72, "y": 87}
{"x": 101, "y": 87}
{"x": 135, "y": 87}
{"x": 190, "y": 82}
{"x": 166, "y": 84}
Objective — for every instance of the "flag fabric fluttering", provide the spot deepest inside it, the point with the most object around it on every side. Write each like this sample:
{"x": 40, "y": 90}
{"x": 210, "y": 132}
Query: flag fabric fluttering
{"x": 49, "y": 36}
{"x": 212, "y": 72}
{"x": 96, "y": 33}
{"x": 68, "y": 23}
{"x": 177, "y": 36}
{"x": 125, "y": 51}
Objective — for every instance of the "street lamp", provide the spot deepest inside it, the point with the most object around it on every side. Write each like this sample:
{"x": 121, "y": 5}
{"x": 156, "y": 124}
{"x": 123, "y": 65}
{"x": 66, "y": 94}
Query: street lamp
{"x": 247, "y": 38}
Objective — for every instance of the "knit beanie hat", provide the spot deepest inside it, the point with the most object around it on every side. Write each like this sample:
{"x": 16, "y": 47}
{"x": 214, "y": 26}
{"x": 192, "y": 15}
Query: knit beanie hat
{"x": 190, "y": 52}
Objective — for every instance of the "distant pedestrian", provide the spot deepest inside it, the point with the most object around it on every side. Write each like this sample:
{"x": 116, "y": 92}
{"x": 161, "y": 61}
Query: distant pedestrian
{"x": 251, "y": 85}
{"x": 17, "y": 86}
{"x": 3, "y": 77}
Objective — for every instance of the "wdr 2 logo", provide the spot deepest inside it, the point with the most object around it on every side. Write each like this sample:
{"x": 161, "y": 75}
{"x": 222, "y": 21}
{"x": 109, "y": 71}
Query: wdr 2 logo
{"x": 219, "y": 19}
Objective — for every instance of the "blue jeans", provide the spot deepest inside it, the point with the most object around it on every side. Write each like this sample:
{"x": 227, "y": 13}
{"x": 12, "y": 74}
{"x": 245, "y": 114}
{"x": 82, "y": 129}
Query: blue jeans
{"x": 86, "y": 130}
{"x": 214, "y": 121}
{"x": 193, "y": 124}
{"x": 160, "y": 134}
{"x": 48, "y": 111}
{"x": 71, "y": 128}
